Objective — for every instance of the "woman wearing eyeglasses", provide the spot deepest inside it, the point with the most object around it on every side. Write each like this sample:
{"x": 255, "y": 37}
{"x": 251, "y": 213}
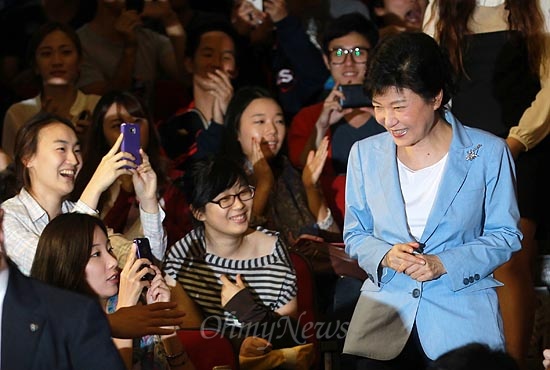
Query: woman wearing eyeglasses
{"x": 346, "y": 45}
{"x": 241, "y": 278}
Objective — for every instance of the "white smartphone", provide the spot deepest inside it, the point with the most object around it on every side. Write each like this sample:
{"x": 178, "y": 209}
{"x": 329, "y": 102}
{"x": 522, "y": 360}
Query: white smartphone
{"x": 258, "y": 4}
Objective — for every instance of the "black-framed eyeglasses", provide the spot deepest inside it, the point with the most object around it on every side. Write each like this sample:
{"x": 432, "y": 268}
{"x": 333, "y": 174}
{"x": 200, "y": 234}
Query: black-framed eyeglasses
{"x": 358, "y": 55}
{"x": 228, "y": 200}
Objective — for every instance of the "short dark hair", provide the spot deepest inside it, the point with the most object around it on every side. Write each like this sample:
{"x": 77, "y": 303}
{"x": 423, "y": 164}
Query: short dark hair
{"x": 411, "y": 60}
{"x": 194, "y": 35}
{"x": 208, "y": 177}
{"x": 474, "y": 356}
{"x": 26, "y": 142}
{"x": 346, "y": 24}
{"x": 64, "y": 249}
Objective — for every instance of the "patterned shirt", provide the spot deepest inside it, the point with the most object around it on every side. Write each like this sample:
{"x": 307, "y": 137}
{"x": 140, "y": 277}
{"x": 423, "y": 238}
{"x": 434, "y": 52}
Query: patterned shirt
{"x": 271, "y": 278}
{"x": 25, "y": 219}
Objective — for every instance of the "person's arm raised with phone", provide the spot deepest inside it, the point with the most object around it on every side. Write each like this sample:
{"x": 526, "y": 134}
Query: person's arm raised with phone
{"x": 113, "y": 165}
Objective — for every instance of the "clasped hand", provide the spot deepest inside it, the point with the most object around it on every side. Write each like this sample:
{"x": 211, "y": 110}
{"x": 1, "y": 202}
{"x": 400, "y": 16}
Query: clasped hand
{"x": 420, "y": 267}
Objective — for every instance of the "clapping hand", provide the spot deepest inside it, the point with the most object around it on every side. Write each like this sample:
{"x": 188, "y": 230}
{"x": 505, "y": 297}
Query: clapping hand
{"x": 314, "y": 164}
{"x": 262, "y": 169}
{"x": 217, "y": 84}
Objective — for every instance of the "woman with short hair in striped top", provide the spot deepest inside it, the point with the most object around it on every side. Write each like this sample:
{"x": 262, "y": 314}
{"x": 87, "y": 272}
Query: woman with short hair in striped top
{"x": 241, "y": 278}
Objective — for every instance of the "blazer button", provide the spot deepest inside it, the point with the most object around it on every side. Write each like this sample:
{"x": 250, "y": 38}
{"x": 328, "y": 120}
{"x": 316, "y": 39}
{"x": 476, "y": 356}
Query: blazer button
{"x": 476, "y": 277}
{"x": 471, "y": 279}
{"x": 416, "y": 293}
{"x": 466, "y": 281}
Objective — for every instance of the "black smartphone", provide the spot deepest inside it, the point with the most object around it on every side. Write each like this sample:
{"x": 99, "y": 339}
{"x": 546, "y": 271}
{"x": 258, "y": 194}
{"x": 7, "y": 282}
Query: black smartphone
{"x": 355, "y": 96}
{"x": 136, "y": 5}
{"x": 420, "y": 248}
{"x": 131, "y": 141}
{"x": 144, "y": 251}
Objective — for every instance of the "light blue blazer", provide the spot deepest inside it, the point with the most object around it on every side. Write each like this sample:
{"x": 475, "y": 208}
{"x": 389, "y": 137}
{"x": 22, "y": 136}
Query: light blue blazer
{"x": 472, "y": 227}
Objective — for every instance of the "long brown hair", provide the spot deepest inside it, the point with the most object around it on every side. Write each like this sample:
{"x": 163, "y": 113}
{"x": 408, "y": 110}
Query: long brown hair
{"x": 64, "y": 249}
{"x": 524, "y": 16}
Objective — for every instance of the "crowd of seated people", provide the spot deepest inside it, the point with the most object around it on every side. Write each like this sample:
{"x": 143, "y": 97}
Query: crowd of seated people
{"x": 248, "y": 164}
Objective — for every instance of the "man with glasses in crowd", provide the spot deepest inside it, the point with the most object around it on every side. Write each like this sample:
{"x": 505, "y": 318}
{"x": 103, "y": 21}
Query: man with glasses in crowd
{"x": 346, "y": 45}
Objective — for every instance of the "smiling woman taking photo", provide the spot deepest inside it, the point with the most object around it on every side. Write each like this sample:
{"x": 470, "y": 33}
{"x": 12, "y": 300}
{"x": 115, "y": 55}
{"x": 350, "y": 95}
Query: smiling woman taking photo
{"x": 47, "y": 161}
{"x": 74, "y": 253}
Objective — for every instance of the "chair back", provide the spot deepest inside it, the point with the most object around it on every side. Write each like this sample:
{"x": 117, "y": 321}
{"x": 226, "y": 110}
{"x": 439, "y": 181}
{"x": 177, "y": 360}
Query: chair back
{"x": 208, "y": 349}
{"x": 307, "y": 303}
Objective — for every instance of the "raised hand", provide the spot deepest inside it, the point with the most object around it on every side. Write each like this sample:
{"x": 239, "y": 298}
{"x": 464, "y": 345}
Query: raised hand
{"x": 131, "y": 285}
{"x": 144, "y": 179}
{"x": 126, "y": 24}
{"x": 112, "y": 165}
{"x": 314, "y": 164}
{"x": 276, "y": 9}
{"x": 332, "y": 110}
{"x": 222, "y": 91}
{"x": 262, "y": 169}
{"x": 229, "y": 289}
{"x": 246, "y": 17}
{"x": 159, "y": 290}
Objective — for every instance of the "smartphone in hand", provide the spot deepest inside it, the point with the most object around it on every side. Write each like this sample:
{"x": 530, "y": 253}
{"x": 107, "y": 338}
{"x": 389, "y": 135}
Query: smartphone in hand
{"x": 355, "y": 96}
{"x": 131, "y": 140}
{"x": 420, "y": 249}
{"x": 258, "y": 4}
{"x": 144, "y": 251}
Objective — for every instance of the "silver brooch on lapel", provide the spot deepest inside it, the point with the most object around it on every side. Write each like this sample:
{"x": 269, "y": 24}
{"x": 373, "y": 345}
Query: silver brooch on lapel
{"x": 472, "y": 153}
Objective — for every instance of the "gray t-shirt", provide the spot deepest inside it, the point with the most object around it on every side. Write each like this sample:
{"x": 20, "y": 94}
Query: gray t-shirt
{"x": 101, "y": 57}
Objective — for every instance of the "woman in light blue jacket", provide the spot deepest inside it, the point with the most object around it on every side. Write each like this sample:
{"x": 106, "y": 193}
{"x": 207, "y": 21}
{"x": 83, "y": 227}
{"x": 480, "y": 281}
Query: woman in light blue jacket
{"x": 431, "y": 211}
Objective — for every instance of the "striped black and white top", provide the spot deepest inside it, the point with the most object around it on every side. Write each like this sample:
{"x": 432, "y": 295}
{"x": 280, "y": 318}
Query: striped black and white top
{"x": 271, "y": 278}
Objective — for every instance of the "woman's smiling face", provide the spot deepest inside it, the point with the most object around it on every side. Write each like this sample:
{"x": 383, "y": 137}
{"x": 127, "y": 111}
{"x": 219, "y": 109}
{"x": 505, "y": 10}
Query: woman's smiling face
{"x": 263, "y": 122}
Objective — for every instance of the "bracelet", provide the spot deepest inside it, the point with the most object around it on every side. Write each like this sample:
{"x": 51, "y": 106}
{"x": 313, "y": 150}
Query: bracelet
{"x": 173, "y": 357}
{"x": 176, "y": 355}
{"x": 327, "y": 222}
